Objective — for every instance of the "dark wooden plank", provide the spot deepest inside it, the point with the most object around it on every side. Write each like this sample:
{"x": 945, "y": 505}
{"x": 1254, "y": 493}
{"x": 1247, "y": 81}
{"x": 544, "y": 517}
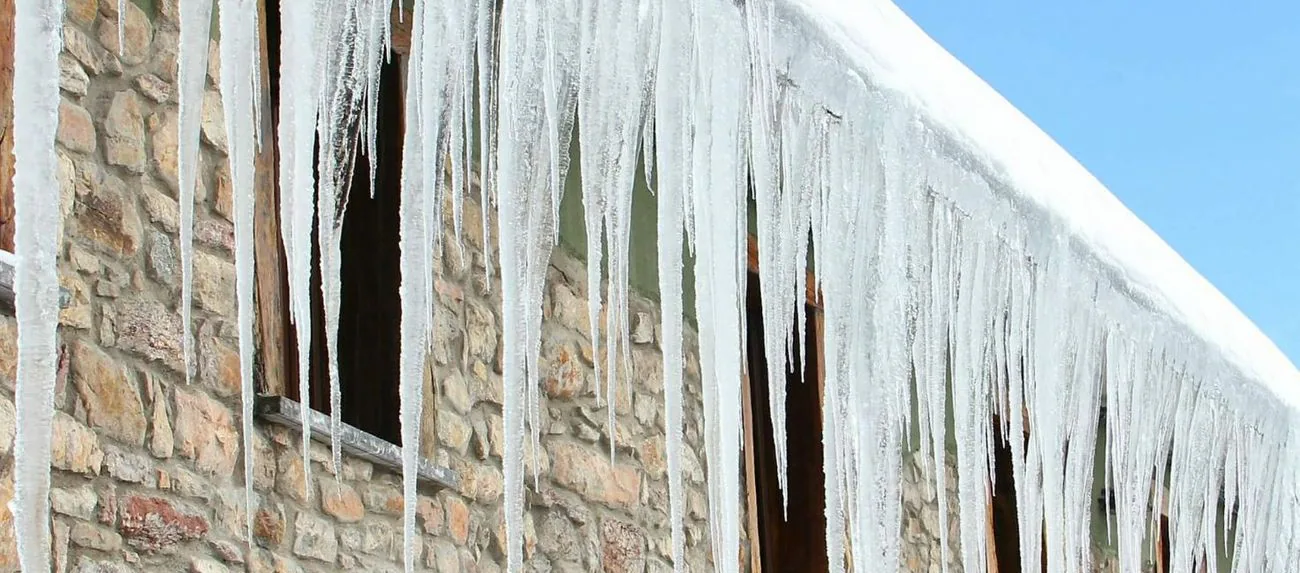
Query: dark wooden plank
{"x": 6, "y": 126}
{"x": 751, "y": 482}
{"x": 271, "y": 282}
{"x": 401, "y": 33}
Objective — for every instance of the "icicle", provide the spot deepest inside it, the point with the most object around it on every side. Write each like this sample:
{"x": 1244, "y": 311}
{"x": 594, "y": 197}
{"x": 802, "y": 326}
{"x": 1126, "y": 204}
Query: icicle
{"x": 349, "y": 63}
{"x": 614, "y": 56}
{"x": 776, "y": 266}
{"x": 239, "y": 81}
{"x": 195, "y": 26}
{"x": 417, "y": 308}
{"x": 121, "y": 27}
{"x": 675, "y": 65}
{"x": 485, "y": 25}
{"x": 38, "y": 234}
{"x": 719, "y": 108}
{"x": 526, "y": 228}
{"x": 297, "y": 131}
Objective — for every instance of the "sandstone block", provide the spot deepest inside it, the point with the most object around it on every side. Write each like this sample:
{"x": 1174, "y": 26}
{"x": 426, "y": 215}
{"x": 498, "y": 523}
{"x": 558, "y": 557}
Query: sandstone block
{"x": 90, "y": 536}
{"x": 149, "y": 329}
{"x": 124, "y": 132}
{"x": 75, "y": 447}
{"x": 165, "y": 153}
{"x": 457, "y": 519}
{"x": 340, "y": 500}
{"x": 205, "y": 432}
{"x": 76, "y": 130}
{"x": 109, "y": 218}
{"x": 72, "y": 77}
{"x": 315, "y": 538}
{"x": 154, "y": 87}
{"x": 622, "y": 547}
{"x": 7, "y": 420}
{"x": 587, "y": 471}
{"x": 138, "y": 34}
{"x": 269, "y": 524}
{"x": 109, "y": 393}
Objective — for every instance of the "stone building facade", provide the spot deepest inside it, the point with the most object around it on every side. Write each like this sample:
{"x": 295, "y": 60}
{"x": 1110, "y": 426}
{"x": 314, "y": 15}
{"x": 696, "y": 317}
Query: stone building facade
{"x": 148, "y": 470}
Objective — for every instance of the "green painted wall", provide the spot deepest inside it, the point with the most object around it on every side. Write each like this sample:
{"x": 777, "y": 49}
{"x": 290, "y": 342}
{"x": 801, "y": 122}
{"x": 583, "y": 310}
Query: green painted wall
{"x": 643, "y": 255}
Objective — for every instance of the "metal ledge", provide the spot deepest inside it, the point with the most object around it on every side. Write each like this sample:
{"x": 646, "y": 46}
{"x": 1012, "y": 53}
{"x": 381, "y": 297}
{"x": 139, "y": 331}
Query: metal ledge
{"x": 356, "y": 442}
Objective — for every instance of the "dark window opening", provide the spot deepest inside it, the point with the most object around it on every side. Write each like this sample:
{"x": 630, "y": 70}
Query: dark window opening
{"x": 796, "y": 544}
{"x": 1004, "y": 522}
{"x": 370, "y": 308}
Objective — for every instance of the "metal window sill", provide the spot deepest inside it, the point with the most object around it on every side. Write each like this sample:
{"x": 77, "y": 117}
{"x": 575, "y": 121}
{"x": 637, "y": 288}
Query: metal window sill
{"x": 354, "y": 441}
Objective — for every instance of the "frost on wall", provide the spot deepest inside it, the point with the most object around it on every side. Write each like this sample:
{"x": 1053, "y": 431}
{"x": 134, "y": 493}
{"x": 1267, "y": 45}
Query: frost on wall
{"x": 938, "y": 291}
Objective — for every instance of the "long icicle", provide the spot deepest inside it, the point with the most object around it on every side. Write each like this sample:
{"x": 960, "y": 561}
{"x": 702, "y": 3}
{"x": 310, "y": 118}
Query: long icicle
{"x": 239, "y": 84}
{"x": 416, "y": 307}
{"x": 296, "y": 138}
{"x": 674, "y": 155}
{"x": 38, "y": 233}
{"x": 121, "y": 27}
{"x": 192, "y": 72}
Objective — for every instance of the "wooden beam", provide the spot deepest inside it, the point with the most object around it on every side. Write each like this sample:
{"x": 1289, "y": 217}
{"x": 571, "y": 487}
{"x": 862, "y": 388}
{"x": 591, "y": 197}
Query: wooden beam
{"x": 271, "y": 282}
{"x": 6, "y": 126}
{"x": 401, "y": 32}
{"x": 751, "y": 482}
{"x": 991, "y": 538}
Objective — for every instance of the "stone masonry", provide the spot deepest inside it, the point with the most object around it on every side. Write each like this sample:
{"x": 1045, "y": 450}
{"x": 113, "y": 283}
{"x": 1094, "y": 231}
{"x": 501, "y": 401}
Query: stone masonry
{"x": 148, "y": 471}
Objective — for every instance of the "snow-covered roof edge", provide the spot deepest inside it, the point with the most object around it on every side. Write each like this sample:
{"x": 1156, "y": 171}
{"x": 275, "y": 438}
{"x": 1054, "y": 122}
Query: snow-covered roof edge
{"x": 880, "y": 42}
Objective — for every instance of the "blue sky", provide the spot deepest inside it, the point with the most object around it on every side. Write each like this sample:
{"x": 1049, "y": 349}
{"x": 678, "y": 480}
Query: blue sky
{"x": 1189, "y": 111}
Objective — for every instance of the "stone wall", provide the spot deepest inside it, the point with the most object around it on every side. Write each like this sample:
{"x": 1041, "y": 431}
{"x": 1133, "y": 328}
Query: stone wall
{"x": 148, "y": 471}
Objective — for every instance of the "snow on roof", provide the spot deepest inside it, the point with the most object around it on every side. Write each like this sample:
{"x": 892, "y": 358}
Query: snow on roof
{"x": 882, "y": 43}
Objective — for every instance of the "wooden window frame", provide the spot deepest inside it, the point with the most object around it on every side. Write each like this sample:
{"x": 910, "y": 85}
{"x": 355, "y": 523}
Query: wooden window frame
{"x": 275, "y": 332}
{"x": 6, "y": 126}
{"x": 277, "y": 363}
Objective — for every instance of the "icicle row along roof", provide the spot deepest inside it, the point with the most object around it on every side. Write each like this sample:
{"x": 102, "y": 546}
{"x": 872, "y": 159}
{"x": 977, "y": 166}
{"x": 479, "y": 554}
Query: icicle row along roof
{"x": 877, "y": 41}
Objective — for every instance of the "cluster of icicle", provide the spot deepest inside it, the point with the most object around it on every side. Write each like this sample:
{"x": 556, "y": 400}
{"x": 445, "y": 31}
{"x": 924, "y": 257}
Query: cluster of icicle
{"x": 930, "y": 285}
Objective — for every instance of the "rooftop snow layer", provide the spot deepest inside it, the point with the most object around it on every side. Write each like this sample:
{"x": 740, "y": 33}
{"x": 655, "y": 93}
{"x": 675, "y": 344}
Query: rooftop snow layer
{"x": 883, "y": 44}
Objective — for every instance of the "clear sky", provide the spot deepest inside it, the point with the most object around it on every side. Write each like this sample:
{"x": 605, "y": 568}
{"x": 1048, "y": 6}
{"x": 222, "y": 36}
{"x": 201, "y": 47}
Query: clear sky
{"x": 1189, "y": 111}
